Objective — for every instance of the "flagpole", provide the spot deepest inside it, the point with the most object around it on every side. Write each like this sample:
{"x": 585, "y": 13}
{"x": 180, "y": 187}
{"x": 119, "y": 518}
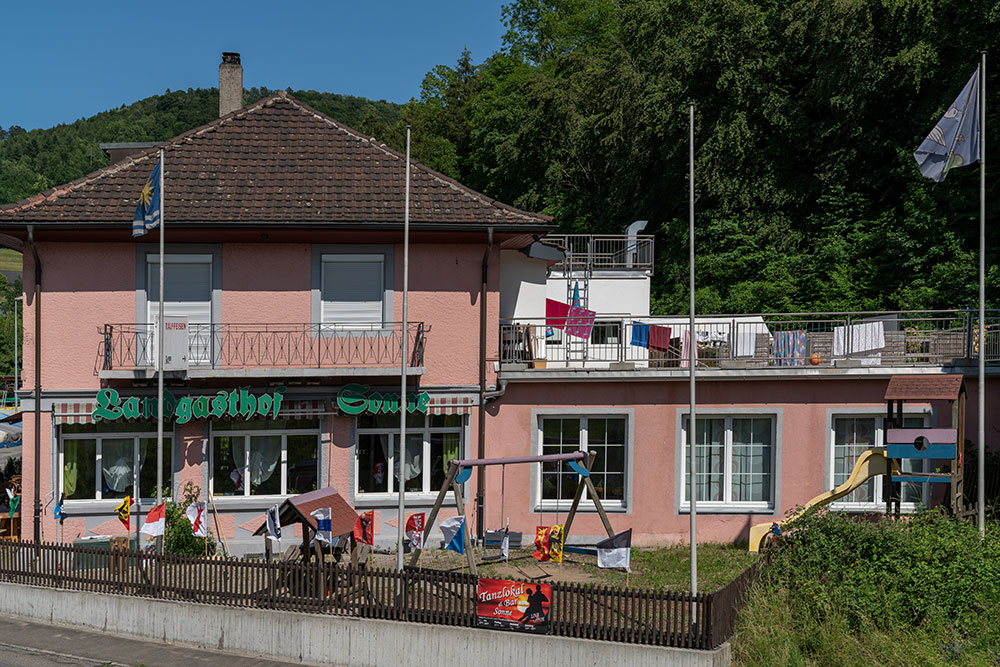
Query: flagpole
{"x": 159, "y": 367}
{"x": 692, "y": 341}
{"x": 981, "y": 462}
{"x": 401, "y": 479}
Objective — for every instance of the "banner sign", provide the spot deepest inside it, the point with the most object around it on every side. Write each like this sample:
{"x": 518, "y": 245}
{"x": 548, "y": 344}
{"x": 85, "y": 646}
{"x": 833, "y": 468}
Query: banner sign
{"x": 110, "y": 406}
{"x": 513, "y": 605}
{"x": 355, "y": 399}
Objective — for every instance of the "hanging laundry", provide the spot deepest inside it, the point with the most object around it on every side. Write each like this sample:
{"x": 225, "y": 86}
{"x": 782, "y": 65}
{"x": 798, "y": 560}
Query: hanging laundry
{"x": 686, "y": 351}
{"x": 640, "y": 334}
{"x": 576, "y": 293}
{"x": 790, "y": 348}
{"x": 580, "y": 322}
{"x": 556, "y": 313}
{"x": 866, "y": 337}
{"x": 659, "y": 337}
{"x": 746, "y": 342}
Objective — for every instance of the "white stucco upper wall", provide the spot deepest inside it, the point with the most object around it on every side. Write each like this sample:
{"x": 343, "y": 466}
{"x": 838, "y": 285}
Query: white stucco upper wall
{"x": 522, "y": 285}
{"x": 619, "y": 293}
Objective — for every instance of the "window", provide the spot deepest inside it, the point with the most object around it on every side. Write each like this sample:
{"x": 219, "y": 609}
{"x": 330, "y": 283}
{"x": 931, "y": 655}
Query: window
{"x": 852, "y": 436}
{"x": 605, "y": 435}
{"x": 431, "y": 441}
{"x": 187, "y": 292}
{"x": 266, "y": 458}
{"x": 735, "y": 457}
{"x": 352, "y": 289}
{"x": 110, "y": 463}
{"x": 606, "y": 333}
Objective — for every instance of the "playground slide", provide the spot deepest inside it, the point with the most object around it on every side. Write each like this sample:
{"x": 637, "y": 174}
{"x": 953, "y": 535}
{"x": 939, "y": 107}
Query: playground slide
{"x": 871, "y": 464}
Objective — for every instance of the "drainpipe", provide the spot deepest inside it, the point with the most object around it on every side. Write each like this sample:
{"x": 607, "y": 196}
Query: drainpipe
{"x": 481, "y": 451}
{"x": 38, "y": 384}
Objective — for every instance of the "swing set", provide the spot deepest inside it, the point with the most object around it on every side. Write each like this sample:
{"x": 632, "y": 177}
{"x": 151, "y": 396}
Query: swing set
{"x": 460, "y": 470}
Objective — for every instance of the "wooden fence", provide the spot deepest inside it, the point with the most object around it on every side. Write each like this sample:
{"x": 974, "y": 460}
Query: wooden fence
{"x": 631, "y": 615}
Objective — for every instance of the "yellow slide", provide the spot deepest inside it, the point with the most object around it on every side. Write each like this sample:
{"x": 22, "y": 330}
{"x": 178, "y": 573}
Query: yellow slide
{"x": 870, "y": 464}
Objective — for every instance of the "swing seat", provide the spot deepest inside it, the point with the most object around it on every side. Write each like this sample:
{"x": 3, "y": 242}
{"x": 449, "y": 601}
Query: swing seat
{"x": 494, "y": 538}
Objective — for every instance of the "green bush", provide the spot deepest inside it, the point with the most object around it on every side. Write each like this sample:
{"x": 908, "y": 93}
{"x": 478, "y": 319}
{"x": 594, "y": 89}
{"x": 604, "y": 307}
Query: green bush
{"x": 847, "y": 590}
{"x": 177, "y": 536}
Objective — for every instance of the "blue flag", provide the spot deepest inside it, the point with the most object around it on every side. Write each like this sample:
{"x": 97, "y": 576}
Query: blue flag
{"x": 147, "y": 213}
{"x": 954, "y": 141}
{"x": 57, "y": 514}
{"x": 453, "y": 530}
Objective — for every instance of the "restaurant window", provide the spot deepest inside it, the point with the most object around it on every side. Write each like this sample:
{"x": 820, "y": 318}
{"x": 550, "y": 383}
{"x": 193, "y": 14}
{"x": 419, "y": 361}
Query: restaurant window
{"x": 431, "y": 441}
{"x": 265, "y": 458}
{"x": 109, "y": 461}
{"x": 735, "y": 459}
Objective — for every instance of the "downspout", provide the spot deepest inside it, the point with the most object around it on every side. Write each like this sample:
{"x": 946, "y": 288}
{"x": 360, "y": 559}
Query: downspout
{"x": 38, "y": 384}
{"x": 481, "y": 450}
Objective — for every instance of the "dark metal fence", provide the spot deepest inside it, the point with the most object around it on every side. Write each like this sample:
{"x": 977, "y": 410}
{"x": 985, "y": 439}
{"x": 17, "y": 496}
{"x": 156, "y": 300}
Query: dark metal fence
{"x": 238, "y": 346}
{"x": 630, "y": 615}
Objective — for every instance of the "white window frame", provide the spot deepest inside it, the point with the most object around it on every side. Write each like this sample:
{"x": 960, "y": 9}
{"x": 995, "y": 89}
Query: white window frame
{"x": 282, "y": 460}
{"x": 98, "y": 459}
{"x": 393, "y": 432}
{"x": 199, "y": 333}
{"x": 879, "y": 417}
{"x": 727, "y": 481}
{"x": 563, "y": 505}
{"x": 330, "y": 258}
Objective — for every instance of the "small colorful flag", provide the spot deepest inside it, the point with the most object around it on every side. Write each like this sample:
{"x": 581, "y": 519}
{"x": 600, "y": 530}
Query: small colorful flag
{"x": 57, "y": 513}
{"x": 147, "y": 213}
{"x": 12, "y": 502}
{"x": 324, "y": 531}
{"x": 549, "y": 543}
{"x": 196, "y": 515}
{"x": 156, "y": 521}
{"x": 454, "y": 533}
{"x": 124, "y": 510}
{"x": 273, "y": 521}
{"x": 415, "y": 531}
{"x": 615, "y": 551}
{"x": 364, "y": 528}
{"x": 237, "y": 479}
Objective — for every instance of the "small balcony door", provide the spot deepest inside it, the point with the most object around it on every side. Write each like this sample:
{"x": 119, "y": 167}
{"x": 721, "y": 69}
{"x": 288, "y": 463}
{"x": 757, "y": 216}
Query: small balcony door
{"x": 187, "y": 289}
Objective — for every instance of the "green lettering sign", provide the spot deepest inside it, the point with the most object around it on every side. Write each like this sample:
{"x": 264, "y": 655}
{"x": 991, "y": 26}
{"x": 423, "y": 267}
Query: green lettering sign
{"x": 355, "y": 399}
{"x": 109, "y": 406}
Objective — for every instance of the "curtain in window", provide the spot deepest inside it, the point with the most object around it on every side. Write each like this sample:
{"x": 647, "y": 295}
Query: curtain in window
{"x": 116, "y": 463}
{"x": 413, "y": 465}
{"x": 265, "y": 451}
{"x": 69, "y": 473}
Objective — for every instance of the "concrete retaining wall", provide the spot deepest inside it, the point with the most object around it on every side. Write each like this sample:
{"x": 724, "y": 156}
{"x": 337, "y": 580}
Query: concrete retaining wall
{"x": 318, "y": 639}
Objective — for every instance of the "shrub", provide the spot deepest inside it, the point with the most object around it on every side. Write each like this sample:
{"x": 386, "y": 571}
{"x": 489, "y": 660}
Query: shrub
{"x": 177, "y": 537}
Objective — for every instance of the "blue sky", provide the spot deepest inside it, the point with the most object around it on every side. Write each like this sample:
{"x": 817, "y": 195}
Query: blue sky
{"x": 66, "y": 60}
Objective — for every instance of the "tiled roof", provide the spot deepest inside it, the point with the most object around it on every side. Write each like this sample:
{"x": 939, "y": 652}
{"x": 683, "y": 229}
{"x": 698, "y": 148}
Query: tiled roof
{"x": 276, "y": 161}
{"x": 924, "y": 387}
{"x": 299, "y": 508}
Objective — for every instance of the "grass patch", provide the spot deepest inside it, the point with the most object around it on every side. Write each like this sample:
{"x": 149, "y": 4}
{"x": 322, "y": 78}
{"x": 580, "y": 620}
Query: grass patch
{"x": 10, "y": 260}
{"x": 842, "y": 591}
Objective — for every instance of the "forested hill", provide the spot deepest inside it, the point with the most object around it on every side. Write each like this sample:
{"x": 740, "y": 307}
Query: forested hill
{"x": 808, "y": 112}
{"x": 40, "y": 159}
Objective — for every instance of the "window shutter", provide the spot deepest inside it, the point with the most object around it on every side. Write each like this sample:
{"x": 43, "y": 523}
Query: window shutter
{"x": 352, "y": 289}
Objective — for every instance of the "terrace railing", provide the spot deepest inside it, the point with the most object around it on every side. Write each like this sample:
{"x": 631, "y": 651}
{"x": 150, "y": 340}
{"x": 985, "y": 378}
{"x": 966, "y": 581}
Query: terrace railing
{"x": 899, "y": 338}
{"x": 629, "y": 615}
{"x": 604, "y": 253}
{"x": 243, "y": 346}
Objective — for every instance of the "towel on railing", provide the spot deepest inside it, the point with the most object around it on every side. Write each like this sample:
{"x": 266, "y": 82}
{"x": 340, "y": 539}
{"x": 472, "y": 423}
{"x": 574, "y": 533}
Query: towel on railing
{"x": 556, "y": 313}
{"x": 640, "y": 334}
{"x": 790, "y": 348}
{"x": 746, "y": 343}
{"x": 686, "y": 352}
{"x": 580, "y": 322}
{"x": 864, "y": 337}
{"x": 659, "y": 337}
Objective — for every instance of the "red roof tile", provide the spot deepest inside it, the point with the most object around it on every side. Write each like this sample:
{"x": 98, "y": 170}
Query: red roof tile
{"x": 924, "y": 387}
{"x": 277, "y": 161}
{"x": 298, "y": 508}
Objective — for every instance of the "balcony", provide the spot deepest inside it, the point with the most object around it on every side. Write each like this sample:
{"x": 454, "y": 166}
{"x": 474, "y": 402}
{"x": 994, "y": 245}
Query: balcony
{"x": 613, "y": 252}
{"x": 128, "y": 351}
{"x": 766, "y": 343}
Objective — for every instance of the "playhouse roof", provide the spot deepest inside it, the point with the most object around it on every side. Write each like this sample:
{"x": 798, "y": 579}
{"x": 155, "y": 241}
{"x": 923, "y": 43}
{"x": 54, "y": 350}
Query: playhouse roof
{"x": 298, "y": 509}
{"x": 924, "y": 387}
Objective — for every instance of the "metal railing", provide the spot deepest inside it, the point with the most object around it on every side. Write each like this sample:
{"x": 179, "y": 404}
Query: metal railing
{"x": 239, "y": 346}
{"x": 586, "y": 611}
{"x": 899, "y": 338}
{"x": 610, "y": 252}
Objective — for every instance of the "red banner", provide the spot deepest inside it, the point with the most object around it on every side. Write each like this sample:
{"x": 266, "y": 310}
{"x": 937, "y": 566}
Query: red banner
{"x": 513, "y": 605}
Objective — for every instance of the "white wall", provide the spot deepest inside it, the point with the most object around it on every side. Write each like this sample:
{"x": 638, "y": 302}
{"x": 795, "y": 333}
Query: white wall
{"x": 618, "y": 292}
{"x": 522, "y": 285}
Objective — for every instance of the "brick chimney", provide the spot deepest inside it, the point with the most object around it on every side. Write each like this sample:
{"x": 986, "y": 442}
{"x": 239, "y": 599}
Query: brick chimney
{"x": 230, "y": 83}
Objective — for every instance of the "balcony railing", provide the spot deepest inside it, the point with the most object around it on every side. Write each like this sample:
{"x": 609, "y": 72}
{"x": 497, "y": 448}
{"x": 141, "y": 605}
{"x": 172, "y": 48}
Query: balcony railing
{"x": 246, "y": 346}
{"x": 599, "y": 253}
{"x": 900, "y": 338}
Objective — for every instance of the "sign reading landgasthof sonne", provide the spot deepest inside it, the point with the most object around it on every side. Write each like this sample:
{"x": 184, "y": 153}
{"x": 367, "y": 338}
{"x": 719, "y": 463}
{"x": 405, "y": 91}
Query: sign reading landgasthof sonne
{"x": 513, "y": 605}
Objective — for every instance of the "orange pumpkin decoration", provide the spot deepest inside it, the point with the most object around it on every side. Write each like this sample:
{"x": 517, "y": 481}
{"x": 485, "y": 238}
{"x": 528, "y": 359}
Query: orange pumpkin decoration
{"x": 815, "y": 359}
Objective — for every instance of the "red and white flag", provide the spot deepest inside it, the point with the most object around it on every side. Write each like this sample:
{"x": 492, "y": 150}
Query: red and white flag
{"x": 156, "y": 521}
{"x": 196, "y": 515}
{"x": 415, "y": 530}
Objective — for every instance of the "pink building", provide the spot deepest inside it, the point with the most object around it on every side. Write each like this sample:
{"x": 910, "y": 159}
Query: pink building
{"x": 284, "y": 259}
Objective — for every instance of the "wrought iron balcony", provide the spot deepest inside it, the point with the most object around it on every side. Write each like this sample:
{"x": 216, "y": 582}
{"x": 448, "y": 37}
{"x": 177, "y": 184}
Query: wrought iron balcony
{"x": 244, "y": 347}
{"x": 766, "y": 341}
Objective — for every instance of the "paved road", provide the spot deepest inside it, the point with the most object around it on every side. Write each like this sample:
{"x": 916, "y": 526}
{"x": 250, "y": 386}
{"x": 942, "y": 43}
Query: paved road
{"x": 28, "y": 644}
